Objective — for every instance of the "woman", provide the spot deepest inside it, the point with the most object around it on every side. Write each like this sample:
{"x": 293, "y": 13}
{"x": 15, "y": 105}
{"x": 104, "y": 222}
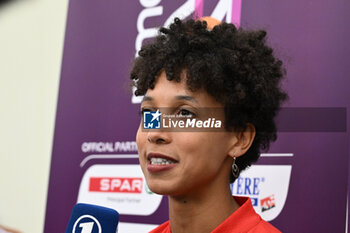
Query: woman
{"x": 188, "y": 68}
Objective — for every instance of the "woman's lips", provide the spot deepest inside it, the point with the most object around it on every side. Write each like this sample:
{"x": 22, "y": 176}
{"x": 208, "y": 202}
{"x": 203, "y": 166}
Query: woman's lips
{"x": 160, "y": 168}
{"x": 157, "y": 162}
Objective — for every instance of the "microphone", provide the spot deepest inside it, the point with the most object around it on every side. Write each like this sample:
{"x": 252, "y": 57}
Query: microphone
{"x": 88, "y": 218}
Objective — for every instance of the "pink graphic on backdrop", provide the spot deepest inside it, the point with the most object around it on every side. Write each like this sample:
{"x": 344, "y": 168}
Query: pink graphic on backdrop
{"x": 235, "y": 10}
{"x": 198, "y": 8}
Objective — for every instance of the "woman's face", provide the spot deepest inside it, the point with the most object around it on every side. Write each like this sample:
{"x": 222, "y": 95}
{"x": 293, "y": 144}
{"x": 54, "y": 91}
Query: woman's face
{"x": 179, "y": 163}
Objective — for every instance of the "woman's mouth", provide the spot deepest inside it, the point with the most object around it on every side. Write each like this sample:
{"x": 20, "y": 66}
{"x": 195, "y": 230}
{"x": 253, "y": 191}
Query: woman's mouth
{"x": 159, "y": 162}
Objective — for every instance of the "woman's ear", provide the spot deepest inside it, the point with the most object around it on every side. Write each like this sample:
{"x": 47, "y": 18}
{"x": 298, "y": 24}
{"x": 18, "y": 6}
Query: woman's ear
{"x": 242, "y": 141}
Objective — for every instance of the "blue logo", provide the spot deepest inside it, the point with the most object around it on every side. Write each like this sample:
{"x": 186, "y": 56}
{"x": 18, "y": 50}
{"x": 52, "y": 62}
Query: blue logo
{"x": 248, "y": 186}
{"x": 151, "y": 120}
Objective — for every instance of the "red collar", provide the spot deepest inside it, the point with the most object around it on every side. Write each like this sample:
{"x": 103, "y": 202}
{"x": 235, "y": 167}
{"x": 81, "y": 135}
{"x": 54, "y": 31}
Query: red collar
{"x": 242, "y": 220}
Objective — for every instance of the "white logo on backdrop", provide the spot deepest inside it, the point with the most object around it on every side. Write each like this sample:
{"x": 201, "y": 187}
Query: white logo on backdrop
{"x": 267, "y": 186}
{"x": 120, "y": 187}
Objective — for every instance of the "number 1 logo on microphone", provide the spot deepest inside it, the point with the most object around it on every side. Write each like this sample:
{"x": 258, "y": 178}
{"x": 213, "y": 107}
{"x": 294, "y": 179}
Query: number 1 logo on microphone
{"x": 87, "y": 224}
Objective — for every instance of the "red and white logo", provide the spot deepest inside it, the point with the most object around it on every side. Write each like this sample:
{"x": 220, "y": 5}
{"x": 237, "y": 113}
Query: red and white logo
{"x": 267, "y": 203}
{"x": 116, "y": 184}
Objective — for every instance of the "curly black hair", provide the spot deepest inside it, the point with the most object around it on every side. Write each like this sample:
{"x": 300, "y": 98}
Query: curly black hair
{"x": 235, "y": 66}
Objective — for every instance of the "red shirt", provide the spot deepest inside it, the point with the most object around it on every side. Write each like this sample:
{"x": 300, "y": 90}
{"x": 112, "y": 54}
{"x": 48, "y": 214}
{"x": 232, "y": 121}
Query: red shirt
{"x": 243, "y": 220}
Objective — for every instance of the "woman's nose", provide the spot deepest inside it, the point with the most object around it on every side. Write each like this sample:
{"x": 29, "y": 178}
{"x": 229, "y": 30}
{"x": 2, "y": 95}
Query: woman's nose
{"x": 158, "y": 137}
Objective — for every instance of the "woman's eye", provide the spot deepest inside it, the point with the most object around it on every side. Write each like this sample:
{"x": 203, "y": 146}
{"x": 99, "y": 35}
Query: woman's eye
{"x": 144, "y": 110}
{"x": 185, "y": 112}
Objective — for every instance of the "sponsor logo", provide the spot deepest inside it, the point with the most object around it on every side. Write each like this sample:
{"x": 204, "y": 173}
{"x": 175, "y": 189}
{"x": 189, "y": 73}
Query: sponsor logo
{"x": 87, "y": 224}
{"x": 267, "y": 203}
{"x": 115, "y": 184}
{"x": 121, "y": 187}
{"x": 267, "y": 186}
{"x": 248, "y": 186}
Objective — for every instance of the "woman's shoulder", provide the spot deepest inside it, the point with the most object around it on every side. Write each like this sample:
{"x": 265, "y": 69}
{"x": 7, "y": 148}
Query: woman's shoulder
{"x": 245, "y": 219}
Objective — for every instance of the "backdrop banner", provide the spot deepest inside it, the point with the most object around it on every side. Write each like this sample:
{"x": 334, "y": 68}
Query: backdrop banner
{"x": 299, "y": 185}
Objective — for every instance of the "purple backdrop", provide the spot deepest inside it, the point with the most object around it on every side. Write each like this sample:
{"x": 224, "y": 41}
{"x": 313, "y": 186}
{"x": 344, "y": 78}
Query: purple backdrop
{"x": 94, "y": 102}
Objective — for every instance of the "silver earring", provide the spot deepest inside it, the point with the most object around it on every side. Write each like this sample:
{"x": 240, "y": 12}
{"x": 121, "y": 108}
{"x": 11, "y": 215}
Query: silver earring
{"x": 235, "y": 169}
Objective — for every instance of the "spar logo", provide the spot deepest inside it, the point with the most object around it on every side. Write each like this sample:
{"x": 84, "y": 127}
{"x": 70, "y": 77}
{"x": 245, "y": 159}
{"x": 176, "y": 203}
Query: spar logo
{"x": 267, "y": 186}
{"x": 116, "y": 184}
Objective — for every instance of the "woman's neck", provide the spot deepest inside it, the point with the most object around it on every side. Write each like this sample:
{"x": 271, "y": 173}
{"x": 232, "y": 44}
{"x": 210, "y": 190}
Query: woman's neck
{"x": 201, "y": 212}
